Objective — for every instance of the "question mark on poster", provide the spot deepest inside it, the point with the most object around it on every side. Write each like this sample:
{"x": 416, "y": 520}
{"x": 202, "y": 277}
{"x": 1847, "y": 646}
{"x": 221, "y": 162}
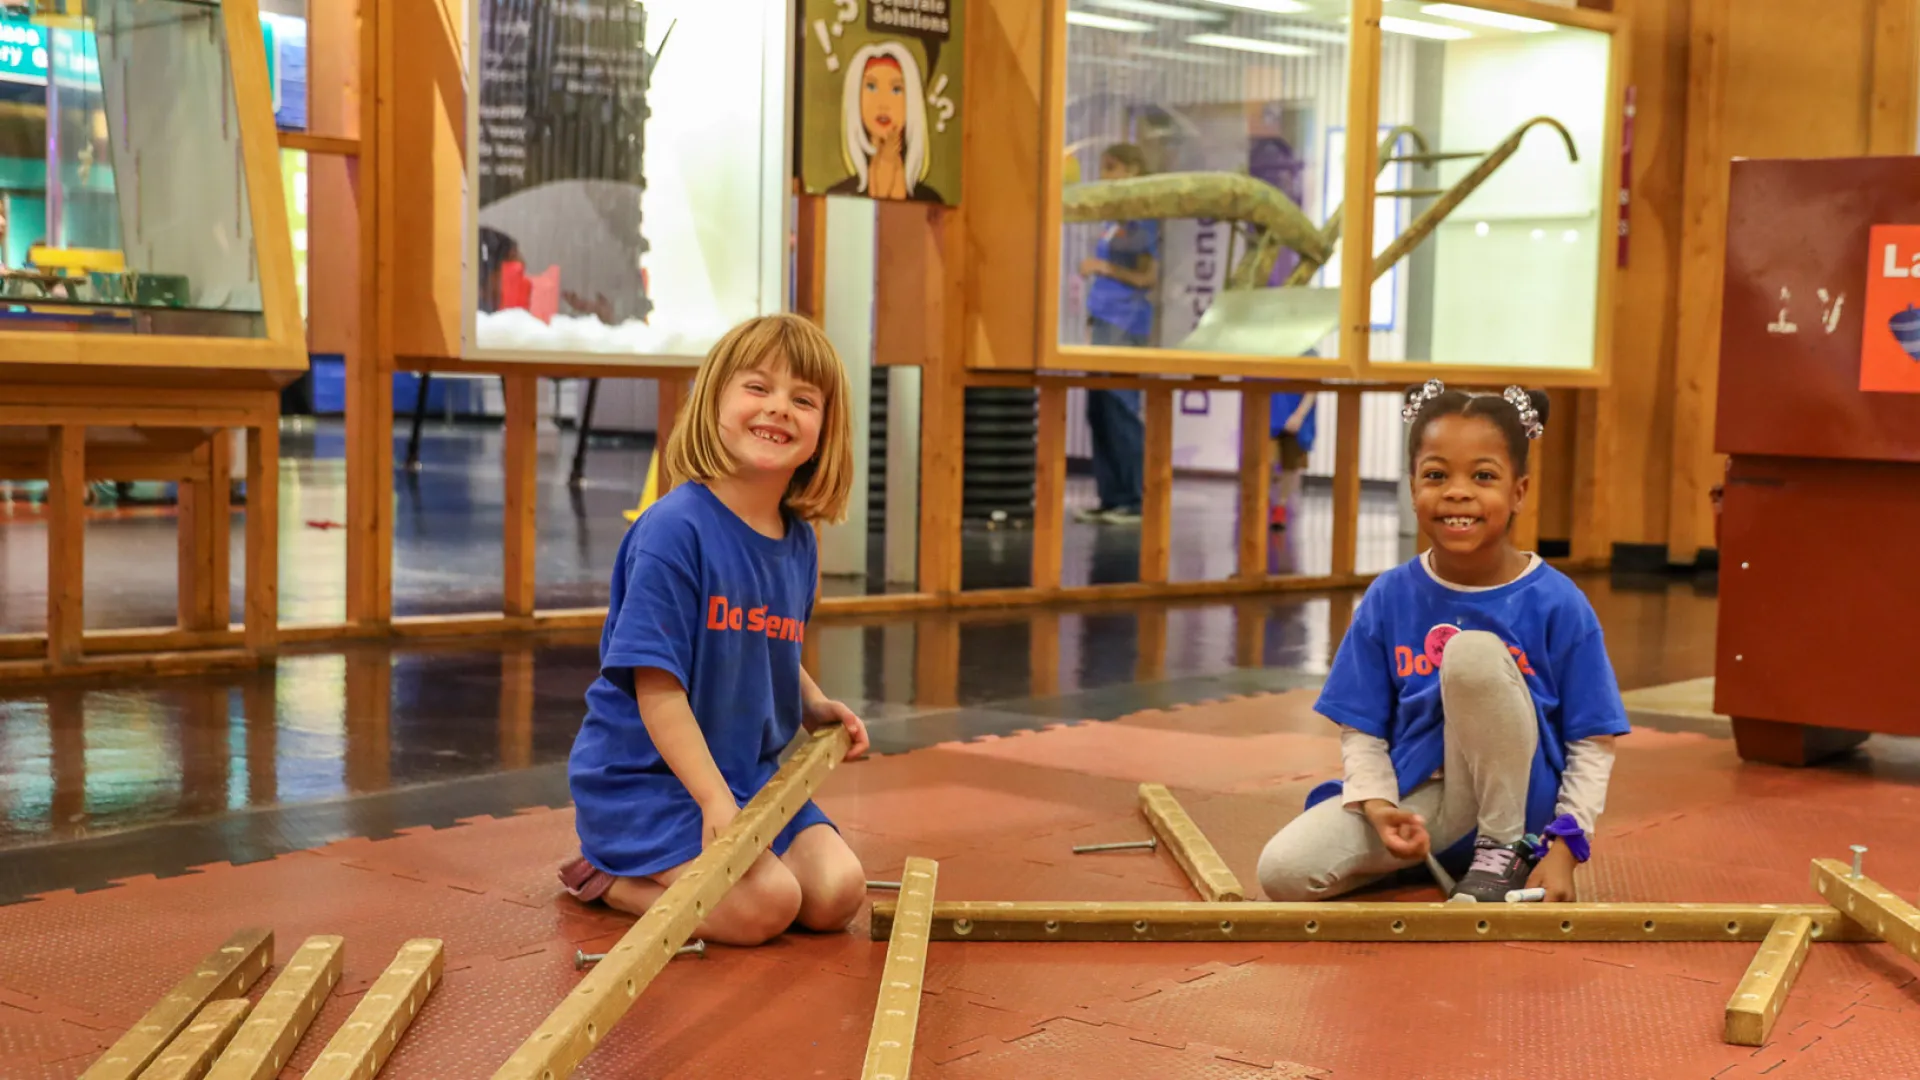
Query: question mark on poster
{"x": 849, "y": 11}
{"x": 936, "y": 96}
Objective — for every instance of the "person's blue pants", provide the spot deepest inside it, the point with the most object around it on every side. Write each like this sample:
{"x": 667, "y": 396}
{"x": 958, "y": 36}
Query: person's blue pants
{"x": 1119, "y": 435}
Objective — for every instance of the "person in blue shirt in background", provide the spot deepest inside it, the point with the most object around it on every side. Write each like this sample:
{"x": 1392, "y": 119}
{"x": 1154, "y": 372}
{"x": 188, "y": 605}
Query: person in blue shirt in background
{"x": 700, "y": 686}
{"x": 1122, "y": 273}
{"x": 1292, "y": 422}
{"x": 1476, "y": 703}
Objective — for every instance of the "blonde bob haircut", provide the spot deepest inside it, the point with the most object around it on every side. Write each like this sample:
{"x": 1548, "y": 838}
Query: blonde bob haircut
{"x": 820, "y": 488}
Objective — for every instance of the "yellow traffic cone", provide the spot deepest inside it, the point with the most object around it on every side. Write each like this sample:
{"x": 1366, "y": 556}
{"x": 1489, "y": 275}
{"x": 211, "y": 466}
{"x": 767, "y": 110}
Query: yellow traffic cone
{"x": 650, "y": 491}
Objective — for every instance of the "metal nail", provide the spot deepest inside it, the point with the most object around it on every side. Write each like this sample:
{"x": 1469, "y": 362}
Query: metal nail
{"x": 1128, "y": 845}
{"x": 1859, "y": 854}
{"x": 582, "y": 959}
{"x": 892, "y": 886}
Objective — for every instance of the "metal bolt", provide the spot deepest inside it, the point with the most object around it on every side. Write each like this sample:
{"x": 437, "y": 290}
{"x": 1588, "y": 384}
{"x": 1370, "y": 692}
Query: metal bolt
{"x": 582, "y": 959}
{"x": 1859, "y": 853}
{"x": 891, "y": 886}
{"x": 1127, "y": 845}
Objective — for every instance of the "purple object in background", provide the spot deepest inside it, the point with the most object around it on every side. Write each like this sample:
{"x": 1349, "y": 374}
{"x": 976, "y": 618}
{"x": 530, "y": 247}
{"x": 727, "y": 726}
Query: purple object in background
{"x": 1272, "y": 159}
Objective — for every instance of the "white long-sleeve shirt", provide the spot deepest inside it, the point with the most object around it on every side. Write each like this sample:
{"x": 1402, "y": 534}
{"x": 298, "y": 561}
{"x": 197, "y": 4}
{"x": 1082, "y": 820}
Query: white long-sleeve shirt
{"x": 1583, "y": 783}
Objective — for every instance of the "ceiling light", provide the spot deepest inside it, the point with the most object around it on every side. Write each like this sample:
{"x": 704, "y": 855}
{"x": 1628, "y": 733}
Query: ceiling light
{"x": 1302, "y": 33}
{"x": 1480, "y": 228}
{"x": 1393, "y": 24}
{"x": 1157, "y": 11}
{"x": 1254, "y": 45}
{"x": 1496, "y": 19}
{"x": 1177, "y": 55}
{"x": 1107, "y": 22}
{"x": 1271, "y": 7}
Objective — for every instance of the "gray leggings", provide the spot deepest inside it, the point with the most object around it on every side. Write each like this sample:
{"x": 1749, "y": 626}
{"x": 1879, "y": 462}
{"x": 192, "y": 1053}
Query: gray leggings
{"x": 1491, "y": 733}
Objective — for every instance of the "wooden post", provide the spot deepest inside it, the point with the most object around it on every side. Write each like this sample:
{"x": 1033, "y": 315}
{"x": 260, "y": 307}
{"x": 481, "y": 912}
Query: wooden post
{"x": 671, "y": 400}
{"x": 263, "y": 536}
{"x": 1592, "y": 502}
{"x": 522, "y": 494}
{"x": 192, "y": 1052}
{"x": 1870, "y": 904}
{"x": 1050, "y": 487}
{"x": 1250, "y": 634}
{"x": 1189, "y": 846}
{"x": 1762, "y": 993}
{"x": 1256, "y": 480}
{"x": 1043, "y": 654}
{"x": 1150, "y": 646}
{"x": 289, "y": 1006}
{"x": 1156, "y": 509}
{"x": 206, "y": 549}
{"x": 370, "y": 367}
{"x": 1896, "y": 72}
{"x": 66, "y": 543}
{"x": 943, "y": 406}
{"x": 810, "y": 258}
{"x": 516, "y": 707}
{"x": 1346, "y": 485}
{"x": 367, "y": 1038}
{"x": 224, "y": 973}
{"x": 896, "y": 1012}
{"x": 1526, "y": 524}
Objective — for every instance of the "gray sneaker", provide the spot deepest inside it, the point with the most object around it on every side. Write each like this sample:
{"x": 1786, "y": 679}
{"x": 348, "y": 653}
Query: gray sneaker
{"x": 1121, "y": 517}
{"x": 1497, "y": 869}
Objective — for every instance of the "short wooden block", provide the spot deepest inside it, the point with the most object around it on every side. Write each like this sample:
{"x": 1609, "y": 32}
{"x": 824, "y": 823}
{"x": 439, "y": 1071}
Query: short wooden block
{"x": 365, "y": 1042}
{"x": 1757, "y": 1002}
{"x": 1376, "y": 922}
{"x": 227, "y": 972}
{"x": 576, "y": 1026}
{"x": 1874, "y": 906}
{"x": 268, "y": 1038}
{"x": 897, "y": 1012}
{"x": 191, "y": 1053}
{"x": 1190, "y": 847}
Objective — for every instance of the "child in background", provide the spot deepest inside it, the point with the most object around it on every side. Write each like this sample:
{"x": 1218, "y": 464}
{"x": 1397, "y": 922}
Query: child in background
{"x": 700, "y": 686}
{"x": 1473, "y": 690}
{"x": 1121, "y": 274}
{"x": 1292, "y": 420}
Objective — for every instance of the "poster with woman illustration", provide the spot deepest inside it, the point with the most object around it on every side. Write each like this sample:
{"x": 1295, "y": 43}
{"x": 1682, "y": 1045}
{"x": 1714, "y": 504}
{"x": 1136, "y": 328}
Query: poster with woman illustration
{"x": 880, "y": 98}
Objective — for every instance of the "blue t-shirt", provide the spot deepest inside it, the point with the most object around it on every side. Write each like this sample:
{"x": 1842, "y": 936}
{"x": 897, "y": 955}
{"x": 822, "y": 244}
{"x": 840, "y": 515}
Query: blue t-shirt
{"x": 1383, "y": 684}
{"x": 700, "y": 595}
{"x": 1124, "y": 244}
{"x": 1281, "y": 408}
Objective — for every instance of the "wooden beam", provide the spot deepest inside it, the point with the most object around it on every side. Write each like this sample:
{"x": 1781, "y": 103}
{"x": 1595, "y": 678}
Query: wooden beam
{"x": 1526, "y": 523}
{"x": 1156, "y": 508}
{"x": 943, "y": 435}
{"x": 266, "y": 1041}
{"x": 369, "y": 367}
{"x": 205, "y": 543}
{"x": 522, "y": 494}
{"x": 1050, "y": 487}
{"x": 810, "y": 258}
{"x": 1896, "y": 77}
{"x": 367, "y": 1038}
{"x": 1346, "y": 480}
{"x": 1190, "y": 847}
{"x": 319, "y": 144}
{"x": 66, "y": 543}
{"x": 191, "y": 1052}
{"x": 570, "y": 1033}
{"x": 263, "y": 539}
{"x": 671, "y": 402}
{"x": 1869, "y": 903}
{"x": 1158, "y": 921}
{"x": 516, "y": 707}
{"x": 225, "y": 973}
{"x": 897, "y": 1011}
{"x": 1762, "y": 993}
{"x": 1256, "y": 481}
{"x": 1592, "y": 498}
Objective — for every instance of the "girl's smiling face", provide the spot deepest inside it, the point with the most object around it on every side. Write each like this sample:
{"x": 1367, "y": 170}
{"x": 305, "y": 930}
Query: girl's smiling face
{"x": 1465, "y": 487}
{"x": 883, "y": 100}
{"x": 769, "y": 420}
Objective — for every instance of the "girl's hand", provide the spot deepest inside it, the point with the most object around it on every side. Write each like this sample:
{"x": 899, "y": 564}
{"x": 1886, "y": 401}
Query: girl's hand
{"x": 1090, "y": 266}
{"x": 1402, "y": 831}
{"x": 715, "y": 818}
{"x": 1554, "y": 873}
{"x": 825, "y": 713}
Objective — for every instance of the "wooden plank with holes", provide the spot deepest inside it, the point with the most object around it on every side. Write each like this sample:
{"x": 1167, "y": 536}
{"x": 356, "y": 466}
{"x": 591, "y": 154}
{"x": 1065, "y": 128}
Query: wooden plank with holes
{"x": 267, "y": 1040}
{"x": 1762, "y": 993}
{"x": 263, "y": 539}
{"x": 1256, "y": 481}
{"x": 367, "y": 1039}
{"x": 1190, "y": 847}
{"x": 66, "y": 543}
{"x": 573, "y": 1029}
{"x": 897, "y": 1011}
{"x": 1156, "y": 507}
{"x": 191, "y": 1053}
{"x": 1373, "y": 922}
{"x": 1879, "y": 912}
{"x": 1049, "y": 487}
{"x": 225, "y": 973}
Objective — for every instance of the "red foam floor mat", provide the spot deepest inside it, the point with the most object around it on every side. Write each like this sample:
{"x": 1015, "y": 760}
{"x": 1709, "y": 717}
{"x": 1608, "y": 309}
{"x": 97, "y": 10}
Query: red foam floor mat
{"x": 1687, "y": 822}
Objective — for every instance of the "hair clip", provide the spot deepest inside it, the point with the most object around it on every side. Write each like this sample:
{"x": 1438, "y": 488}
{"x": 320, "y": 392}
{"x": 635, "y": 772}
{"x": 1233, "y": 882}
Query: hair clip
{"x": 1529, "y": 419}
{"x": 1417, "y": 399}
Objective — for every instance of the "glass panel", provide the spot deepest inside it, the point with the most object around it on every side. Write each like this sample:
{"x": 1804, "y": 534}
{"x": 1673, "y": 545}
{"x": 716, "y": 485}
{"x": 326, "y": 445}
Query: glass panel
{"x": 125, "y": 195}
{"x": 629, "y": 200}
{"x": 1509, "y": 275}
{"x": 1194, "y": 129}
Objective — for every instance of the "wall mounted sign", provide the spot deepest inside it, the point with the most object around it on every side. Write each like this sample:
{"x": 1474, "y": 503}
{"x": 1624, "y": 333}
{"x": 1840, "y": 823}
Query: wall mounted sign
{"x": 1890, "y": 342}
{"x": 880, "y": 93}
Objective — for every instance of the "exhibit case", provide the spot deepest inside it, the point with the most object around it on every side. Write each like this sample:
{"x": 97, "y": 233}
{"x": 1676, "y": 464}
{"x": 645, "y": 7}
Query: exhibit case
{"x": 627, "y": 172}
{"x": 1205, "y": 192}
{"x": 142, "y": 221}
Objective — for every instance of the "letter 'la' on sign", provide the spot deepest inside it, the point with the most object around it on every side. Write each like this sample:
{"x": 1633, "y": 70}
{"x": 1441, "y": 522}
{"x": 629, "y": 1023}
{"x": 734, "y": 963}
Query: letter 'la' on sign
{"x": 1890, "y": 338}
